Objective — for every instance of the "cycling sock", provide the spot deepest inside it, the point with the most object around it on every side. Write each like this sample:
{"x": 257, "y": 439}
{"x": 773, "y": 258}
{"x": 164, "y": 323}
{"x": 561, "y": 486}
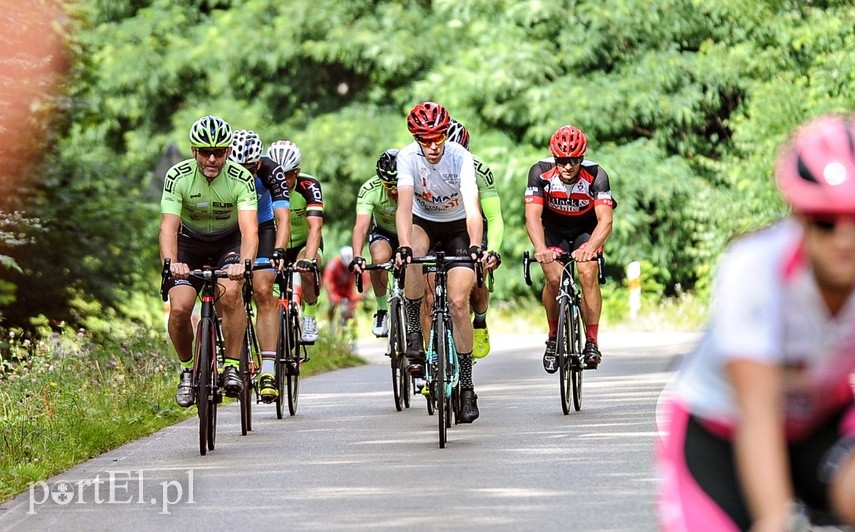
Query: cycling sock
{"x": 268, "y": 359}
{"x": 382, "y": 303}
{"x": 309, "y": 309}
{"x": 591, "y": 331}
{"x": 231, "y": 362}
{"x": 188, "y": 364}
{"x": 553, "y": 328}
{"x": 414, "y": 307}
{"x": 465, "y": 371}
{"x": 480, "y": 321}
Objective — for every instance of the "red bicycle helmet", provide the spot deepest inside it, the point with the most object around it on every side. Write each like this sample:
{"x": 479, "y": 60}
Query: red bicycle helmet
{"x": 815, "y": 171}
{"x": 568, "y": 141}
{"x": 428, "y": 119}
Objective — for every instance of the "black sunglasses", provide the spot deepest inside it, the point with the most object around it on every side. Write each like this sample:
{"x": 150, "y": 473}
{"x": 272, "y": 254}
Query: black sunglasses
{"x": 564, "y": 161}
{"x": 207, "y": 152}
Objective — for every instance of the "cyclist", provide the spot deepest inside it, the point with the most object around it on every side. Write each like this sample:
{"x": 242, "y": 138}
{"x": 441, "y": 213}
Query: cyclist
{"x": 340, "y": 285}
{"x": 376, "y": 204}
{"x": 494, "y": 228}
{"x": 438, "y": 205}
{"x": 307, "y": 222}
{"x": 208, "y": 217}
{"x": 274, "y": 229}
{"x": 568, "y": 208}
{"x": 762, "y": 413}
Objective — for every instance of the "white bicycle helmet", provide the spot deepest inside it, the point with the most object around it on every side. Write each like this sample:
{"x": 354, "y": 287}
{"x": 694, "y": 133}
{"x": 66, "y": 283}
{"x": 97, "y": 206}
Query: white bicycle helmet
{"x": 246, "y": 147}
{"x": 286, "y": 154}
{"x": 346, "y": 254}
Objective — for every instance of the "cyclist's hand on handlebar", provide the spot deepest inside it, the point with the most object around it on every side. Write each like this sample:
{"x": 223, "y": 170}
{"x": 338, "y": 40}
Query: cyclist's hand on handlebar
{"x": 403, "y": 255}
{"x": 475, "y": 253}
{"x": 304, "y": 265}
{"x": 179, "y": 270}
{"x": 491, "y": 260}
{"x": 357, "y": 265}
{"x": 278, "y": 258}
{"x": 584, "y": 253}
{"x": 235, "y": 271}
{"x": 545, "y": 255}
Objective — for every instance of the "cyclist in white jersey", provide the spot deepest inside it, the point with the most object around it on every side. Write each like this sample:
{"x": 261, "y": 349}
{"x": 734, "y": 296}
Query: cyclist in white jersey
{"x": 438, "y": 207}
{"x": 761, "y": 414}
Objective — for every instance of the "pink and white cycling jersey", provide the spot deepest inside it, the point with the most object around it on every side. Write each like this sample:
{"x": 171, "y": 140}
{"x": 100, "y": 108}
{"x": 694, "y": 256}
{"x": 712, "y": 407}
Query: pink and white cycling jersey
{"x": 438, "y": 190}
{"x": 768, "y": 308}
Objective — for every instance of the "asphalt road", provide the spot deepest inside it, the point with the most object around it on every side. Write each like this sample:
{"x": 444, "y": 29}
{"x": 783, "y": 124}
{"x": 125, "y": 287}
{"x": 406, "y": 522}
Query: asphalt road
{"x": 348, "y": 460}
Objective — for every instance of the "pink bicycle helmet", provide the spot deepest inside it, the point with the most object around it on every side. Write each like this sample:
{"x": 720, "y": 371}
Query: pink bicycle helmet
{"x": 816, "y": 166}
{"x": 568, "y": 141}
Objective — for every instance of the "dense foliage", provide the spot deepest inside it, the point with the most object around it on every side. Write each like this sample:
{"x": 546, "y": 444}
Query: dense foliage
{"x": 684, "y": 103}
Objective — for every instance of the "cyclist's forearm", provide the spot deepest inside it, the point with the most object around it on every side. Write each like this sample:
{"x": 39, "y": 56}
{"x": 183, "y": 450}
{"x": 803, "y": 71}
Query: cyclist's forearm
{"x": 404, "y": 216}
{"x": 492, "y": 208}
{"x": 169, "y": 237}
{"x": 283, "y": 227}
{"x": 475, "y": 229}
{"x": 534, "y": 227}
{"x": 313, "y": 242}
{"x": 360, "y": 231}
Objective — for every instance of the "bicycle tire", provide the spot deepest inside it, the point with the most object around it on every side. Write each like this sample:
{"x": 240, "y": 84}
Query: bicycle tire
{"x": 406, "y": 381}
{"x": 246, "y": 379}
{"x": 293, "y": 373}
{"x": 563, "y": 352}
{"x": 216, "y": 396}
{"x": 576, "y": 366}
{"x": 204, "y": 352}
{"x": 281, "y": 367}
{"x": 443, "y": 401}
{"x": 395, "y": 356}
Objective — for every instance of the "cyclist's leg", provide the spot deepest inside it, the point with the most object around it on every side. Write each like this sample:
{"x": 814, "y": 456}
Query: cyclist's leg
{"x": 414, "y": 290}
{"x": 479, "y": 300}
{"x": 684, "y": 495}
{"x": 823, "y": 466}
{"x": 461, "y": 280}
{"x": 182, "y": 299}
{"x": 592, "y": 302}
{"x": 381, "y": 247}
{"x": 267, "y": 317}
{"x": 460, "y": 283}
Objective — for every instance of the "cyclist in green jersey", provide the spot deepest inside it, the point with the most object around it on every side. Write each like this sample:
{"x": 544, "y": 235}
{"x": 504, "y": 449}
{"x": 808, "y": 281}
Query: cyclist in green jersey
{"x": 376, "y": 205}
{"x": 307, "y": 222}
{"x": 208, "y": 217}
{"x": 494, "y": 228}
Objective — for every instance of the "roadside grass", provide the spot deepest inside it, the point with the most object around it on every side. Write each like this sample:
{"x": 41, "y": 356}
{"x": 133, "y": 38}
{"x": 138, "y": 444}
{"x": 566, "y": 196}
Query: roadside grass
{"x": 66, "y": 396}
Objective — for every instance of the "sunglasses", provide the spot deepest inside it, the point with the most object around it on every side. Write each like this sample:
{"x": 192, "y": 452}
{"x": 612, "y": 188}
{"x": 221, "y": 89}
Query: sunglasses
{"x": 827, "y": 224}
{"x": 426, "y": 142}
{"x": 207, "y": 152}
{"x": 564, "y": 161}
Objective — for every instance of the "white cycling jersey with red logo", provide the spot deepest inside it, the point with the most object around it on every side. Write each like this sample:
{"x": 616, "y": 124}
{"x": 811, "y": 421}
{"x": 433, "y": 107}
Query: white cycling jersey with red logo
{"x": 438, "y": 190}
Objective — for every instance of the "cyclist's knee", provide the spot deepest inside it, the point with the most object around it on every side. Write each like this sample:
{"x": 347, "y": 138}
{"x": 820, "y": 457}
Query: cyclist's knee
{"x": 458, "y": 304}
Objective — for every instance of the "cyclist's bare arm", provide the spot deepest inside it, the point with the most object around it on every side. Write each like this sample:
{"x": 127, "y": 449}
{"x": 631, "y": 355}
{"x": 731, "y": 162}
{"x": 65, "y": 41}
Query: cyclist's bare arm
{"x": 313, "y": 242}
{"x": 598, "y": 236}
{"x": 169, "y": 226}
{"x": 404, "y": 216}
{"x": 283, "y": 227}
{"x": 248, "y": 224}
{"x": 760, "y": 443}
{"x": 534, "y": 227}
{"x": 474, "y": 222}
{"x": 360, "y": 232}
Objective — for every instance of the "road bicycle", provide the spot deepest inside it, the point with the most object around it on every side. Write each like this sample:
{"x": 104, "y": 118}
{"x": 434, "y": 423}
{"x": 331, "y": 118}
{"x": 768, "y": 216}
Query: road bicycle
{"x": 209, "y": 352}
{"x": 291, "y": 351}
{"x": 442, "y": 367}
{"x": 569, "y": 339}
{"x": 396, "y": 341}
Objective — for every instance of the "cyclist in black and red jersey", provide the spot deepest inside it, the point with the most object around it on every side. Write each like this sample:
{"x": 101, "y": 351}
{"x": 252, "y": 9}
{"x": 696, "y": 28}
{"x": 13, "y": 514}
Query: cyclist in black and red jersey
{"x": 274, "y": 231}
{"x": 568, "y": 208}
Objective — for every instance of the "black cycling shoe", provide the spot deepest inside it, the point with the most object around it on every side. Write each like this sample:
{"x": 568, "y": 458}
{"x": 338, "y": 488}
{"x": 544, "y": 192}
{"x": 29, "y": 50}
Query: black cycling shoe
{"x": 415, "y": 354}
{"x": 231, "y": 381}
{"x": 592, "y": 355}
{"x": 550, "y": 359}
{"x": 468, "y": 406}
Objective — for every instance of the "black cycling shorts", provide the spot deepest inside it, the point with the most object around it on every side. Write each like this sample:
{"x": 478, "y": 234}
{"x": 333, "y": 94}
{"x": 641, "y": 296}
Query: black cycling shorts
{"x": 197, "y": 253}
{"x": 378, "y": 233}
{"x": 266, "y": 239}
{"x": 452, "y": 238}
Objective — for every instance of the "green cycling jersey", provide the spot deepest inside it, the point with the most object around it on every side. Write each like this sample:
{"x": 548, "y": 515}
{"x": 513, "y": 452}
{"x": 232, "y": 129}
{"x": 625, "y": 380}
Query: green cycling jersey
{"x": 307, "y": 199}
{"x": 373, "y": 199}
{"x": 208, "y": 208}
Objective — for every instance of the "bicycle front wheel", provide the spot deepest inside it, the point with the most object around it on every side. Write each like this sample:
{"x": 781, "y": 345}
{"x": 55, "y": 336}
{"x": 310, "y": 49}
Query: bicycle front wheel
{"x": 564, "y": 352}
{"x": 576, "y": 360}
{"x": 246, "y": 377}
{"x": 204, "y": 355}
{"x": 281, "y": 367}
{"x": 397, "y": 347}
{"x": 443, "y": 400}
{"x": 295, "y": 358}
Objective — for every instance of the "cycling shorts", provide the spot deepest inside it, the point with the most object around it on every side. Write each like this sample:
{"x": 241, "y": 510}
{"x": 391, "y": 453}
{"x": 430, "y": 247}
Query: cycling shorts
{"x": 197, "y": 253}
{"x": 381, "y": 234}
{"x": 449, "y": 237}
{"x": 266, "y": 240}
{"x": 700, "y": 488}
{"x": 568, "y": 241}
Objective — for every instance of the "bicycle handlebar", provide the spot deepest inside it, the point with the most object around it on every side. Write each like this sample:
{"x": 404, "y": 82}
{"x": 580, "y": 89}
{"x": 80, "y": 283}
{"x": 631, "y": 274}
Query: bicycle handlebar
{"x": 388, "y": 266}
{"x": 565, "y": 258}
{"x": 289, "y": 269}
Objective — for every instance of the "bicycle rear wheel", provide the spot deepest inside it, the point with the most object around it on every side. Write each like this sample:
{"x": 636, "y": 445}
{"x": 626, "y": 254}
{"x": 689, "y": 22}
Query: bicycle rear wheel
{"x": 295, "y": 358}
{"x": 564, "y": 352}
{"x": 281, "y": 367}
{"x": 204, "y": 355}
